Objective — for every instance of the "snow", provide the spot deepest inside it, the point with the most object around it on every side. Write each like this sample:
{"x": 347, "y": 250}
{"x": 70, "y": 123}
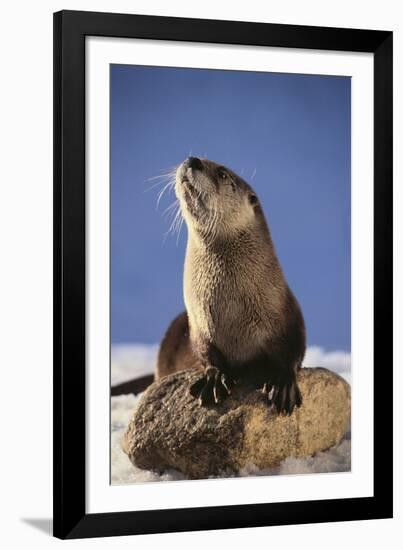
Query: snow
{"x": 123, "y": 471}
{"x": 135, "y": 360}
{"x": 336, "y": 361}
{"x": 132, "y": 361}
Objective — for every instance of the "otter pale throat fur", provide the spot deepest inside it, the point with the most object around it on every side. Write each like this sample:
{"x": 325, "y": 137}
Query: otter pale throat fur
{"x": 242, "y": 320}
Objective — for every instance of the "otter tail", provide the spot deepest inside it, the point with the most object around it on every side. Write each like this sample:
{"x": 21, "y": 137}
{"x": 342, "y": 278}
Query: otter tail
{"x": 135, "y": 386}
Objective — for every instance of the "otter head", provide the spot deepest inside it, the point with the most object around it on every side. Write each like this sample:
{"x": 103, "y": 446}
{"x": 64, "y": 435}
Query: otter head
{"x": 215, "y": 202}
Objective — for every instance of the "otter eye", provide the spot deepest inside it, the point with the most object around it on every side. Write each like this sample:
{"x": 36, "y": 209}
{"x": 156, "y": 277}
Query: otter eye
{"x": 222, "y": 174}
{"x": 253, "y": 199}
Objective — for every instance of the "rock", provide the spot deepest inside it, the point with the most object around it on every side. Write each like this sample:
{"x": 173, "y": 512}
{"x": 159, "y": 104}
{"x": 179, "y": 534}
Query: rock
{"x": 170, "y": 430}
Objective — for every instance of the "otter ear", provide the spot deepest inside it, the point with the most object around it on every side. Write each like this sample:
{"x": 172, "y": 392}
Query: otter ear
{"x": 253, "y": 199}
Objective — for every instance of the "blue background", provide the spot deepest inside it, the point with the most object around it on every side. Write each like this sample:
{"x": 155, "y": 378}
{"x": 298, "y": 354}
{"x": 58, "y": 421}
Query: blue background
{"x": 291, "y": 131}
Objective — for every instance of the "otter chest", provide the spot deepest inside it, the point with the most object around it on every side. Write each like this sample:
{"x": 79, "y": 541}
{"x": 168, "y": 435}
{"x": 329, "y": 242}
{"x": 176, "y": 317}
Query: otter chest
{"x": 224, "y": 305}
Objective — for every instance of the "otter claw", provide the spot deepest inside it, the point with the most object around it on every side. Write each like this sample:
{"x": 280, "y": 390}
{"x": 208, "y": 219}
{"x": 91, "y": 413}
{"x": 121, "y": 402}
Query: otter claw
{"x": 226, "y": 383}
{"x": 216, "y": 393}
{"x": 206, "y": 393}
{"x": 196, "y": 388}
{"x": 211, "y": 388}
{"x": 283, "y": 395}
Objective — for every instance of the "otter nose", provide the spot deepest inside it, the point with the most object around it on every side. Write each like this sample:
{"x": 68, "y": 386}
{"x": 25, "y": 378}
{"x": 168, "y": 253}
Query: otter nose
{"x": 194, "y": 163}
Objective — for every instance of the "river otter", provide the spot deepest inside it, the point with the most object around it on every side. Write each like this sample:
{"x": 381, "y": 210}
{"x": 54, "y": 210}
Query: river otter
{"x": 242, "y": 321}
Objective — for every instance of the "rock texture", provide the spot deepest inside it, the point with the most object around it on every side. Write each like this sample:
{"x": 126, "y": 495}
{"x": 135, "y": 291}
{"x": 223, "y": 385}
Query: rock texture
{"x": 170, "y": 430}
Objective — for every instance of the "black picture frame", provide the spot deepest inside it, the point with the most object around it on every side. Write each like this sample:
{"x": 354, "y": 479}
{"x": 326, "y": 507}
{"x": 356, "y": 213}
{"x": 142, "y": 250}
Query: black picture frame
{"x": 70, "y": 517}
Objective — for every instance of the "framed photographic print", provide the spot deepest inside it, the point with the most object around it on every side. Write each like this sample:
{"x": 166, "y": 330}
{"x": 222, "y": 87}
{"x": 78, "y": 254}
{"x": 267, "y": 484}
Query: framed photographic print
{"x": 223, "y": 274}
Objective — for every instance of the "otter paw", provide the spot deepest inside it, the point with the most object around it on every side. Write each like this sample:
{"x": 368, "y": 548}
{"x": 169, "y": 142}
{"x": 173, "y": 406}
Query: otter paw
{"x": 212, "y": 388}
{"x": 283, "y": 394}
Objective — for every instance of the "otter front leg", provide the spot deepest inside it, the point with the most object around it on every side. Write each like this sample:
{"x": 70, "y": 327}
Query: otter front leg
{"x": 216, "y": 383}
{"x": 282, "y": 391}
{"x": 213, "y": 387}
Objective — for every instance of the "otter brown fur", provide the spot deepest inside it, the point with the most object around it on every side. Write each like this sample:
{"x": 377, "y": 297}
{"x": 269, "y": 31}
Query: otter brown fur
{"x": 242, "y": 322}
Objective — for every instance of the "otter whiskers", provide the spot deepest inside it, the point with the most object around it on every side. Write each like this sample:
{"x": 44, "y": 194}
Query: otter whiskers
{"x": 172, "y": 212}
